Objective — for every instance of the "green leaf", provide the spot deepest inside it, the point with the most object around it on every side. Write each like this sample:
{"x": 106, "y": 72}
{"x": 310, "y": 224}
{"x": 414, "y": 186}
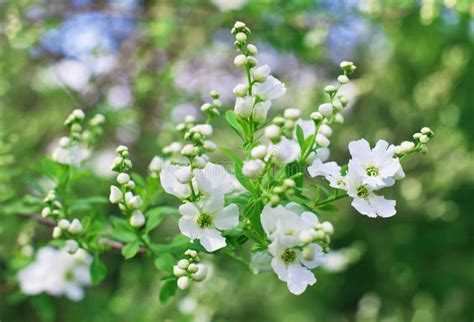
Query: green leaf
{"x": 168, "y": 289}
{"x": 238, "y": 164}
{"x": 98, "y": 270}
{"x": 156, "y": 215}
{"x": 252, "y": 212}
{"x": 131, "y": 249}
{"x": 300, "y": 135}
{"x": 139, "y": 180}
{"x": 165, "y": 262}
{"x": 177, "y": 246}
{"x": 328, "y": 207}
{"x": 122, "y": 231}
{"x": 231, "y": 118}
{"x": 292, "y": 169}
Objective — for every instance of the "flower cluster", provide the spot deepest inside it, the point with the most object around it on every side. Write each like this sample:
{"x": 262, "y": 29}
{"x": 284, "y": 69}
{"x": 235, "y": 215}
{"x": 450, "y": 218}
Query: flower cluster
{"x": 189, "y": 269}
{"x": 57, "y": 273}
{"x": 75, "y": 148}
{"x": 123, "y": 195}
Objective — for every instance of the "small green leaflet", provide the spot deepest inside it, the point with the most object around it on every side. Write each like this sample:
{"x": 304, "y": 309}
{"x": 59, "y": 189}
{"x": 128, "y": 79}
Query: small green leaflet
{"x": 98, "y": 270}
{"x": 131, "y": 249}
{"x": 231, "y": 118}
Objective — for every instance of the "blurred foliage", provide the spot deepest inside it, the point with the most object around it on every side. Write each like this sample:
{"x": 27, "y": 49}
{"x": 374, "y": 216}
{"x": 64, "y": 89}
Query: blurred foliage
{"x": 415, "y": 63}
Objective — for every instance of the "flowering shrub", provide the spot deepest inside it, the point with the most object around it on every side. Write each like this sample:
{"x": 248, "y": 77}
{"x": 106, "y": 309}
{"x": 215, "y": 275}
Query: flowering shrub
{"x": 268, "y": 200}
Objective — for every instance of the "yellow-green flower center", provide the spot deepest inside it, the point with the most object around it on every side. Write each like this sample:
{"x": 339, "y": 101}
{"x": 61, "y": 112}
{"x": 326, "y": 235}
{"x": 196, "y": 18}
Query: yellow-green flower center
{"x": 204, "y": 220}
{"x": 363, "y": 192}
{"x": 288, "y": 256}
{"x": 372, "y": 171}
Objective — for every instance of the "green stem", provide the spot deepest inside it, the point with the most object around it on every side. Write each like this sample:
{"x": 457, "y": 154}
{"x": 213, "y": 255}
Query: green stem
{"x": 329, "y": 200}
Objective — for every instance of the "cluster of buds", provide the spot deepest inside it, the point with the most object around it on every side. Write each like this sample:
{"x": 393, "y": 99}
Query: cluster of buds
{"x": 53, "y": 206}
{"x": 188, "y": 269}
{"x": 321, "y": 234}
{"x": 421, "y": 139}
{"x": 253, "y": 100}
{"x": 123, "y": 195}
{"x": 74, "y": 123}
{"x": 94, "y": 129}
{"x": 287, "y": 189}
{"x": 212, "y": 109}
{"x": 68, "y": 230}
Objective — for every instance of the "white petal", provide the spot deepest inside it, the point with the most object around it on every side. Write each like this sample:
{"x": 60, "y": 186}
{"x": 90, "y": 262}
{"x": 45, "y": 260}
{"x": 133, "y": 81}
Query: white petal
{"x": 280, "y": 268}
{"x": 383, "y": 207}
{"x": 299, "y": 278}
{"x": 189, "y": 227}
{"x": 213, "y": 204}
{"x": 360, "y": 151}
{"x": 228, "y": 218}
{"x": 318, "y": 259}
{"x": 269, "y": 218}
{"x": 363, "y": 207}
{"x": 212, "y": 240}
{"x": 189, "y": 210}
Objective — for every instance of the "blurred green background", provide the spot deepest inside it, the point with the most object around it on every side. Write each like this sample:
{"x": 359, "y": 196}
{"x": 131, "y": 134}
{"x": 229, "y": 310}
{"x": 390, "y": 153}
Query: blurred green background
{"x": 147, "y": 64}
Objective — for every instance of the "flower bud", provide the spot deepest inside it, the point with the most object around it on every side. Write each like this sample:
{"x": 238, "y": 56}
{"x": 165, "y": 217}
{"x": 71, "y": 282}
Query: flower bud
{"x": 272, "y": 132}
{"x": 241, "y": 37}
{"x": 338, "y": 118}
{"x": 278, "y": 190}
{"x": 115, "y": 194}
{"x": 289, "y": 183}
{"x": 308, "y": 253}
{"x": 240, "y": 90}
{"x": 417, "y": 136}
{"x": 407, "y": 146}
{"x": 316, "y": 116}
{"x": 131, "y": 184}
{"x": 76, "y": 127}
{"x": 343, "y": 79}
{"x": 193, "y": 268}
{"x": 75, "y": 227}
{"x": 239, "y": 25}
{"x": 326, "y": 109}
{"x": 252, "y": 49}
{"x": 259, "y": 152}
{"x": 306, "y": 236}
{"x": 189, "y": 150}
{"x": 337, "y": 105}
{"x": 279, "y": 120}
{"x": 292, "y": 113}
{"x": 201, "y": 273}
{"x": 156, "y": 164}
{"x": 64, "y": 224}
{"x": 289, "y": 125}
{"x": 240, "y": 60}
{"x": 253, "y": 168}
{"x": 199, "y": 162}
{"x": 135, "y": 202}
{"x": 322, "y": 140}
{"x": 191, "y": 253}
{"x": 427, "y": 131}
{"x": 123, "y": 178}
{"x": 178, "y": 272}
{"x": 57, "y": 232}
{"x": 121, "y": 148}
{"x": 184, "y": 175}
{"x": 325, "y": 130}
{"x": 205, "y": 107}
{"x": 243, "y": 106}
{"x": 274, "y": 200}
{"x": 424, "y": 138}
{"x": 327, "y": 227}
{"x": 78, "y": 114}
{"x": 260, "y": 73}
{"x": 210, "y": 146}
{"x": 330, "y": 89}
{"x": 71, "y": 246}
{"x": 45, "y": 212}
{"x": 183, "y": 282}
{"x": 252, "y": 61}
{"x": 137, "y": 219}
{"x": 183, "y": 263}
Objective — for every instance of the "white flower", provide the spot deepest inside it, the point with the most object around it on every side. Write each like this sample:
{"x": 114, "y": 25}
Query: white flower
{"x": 75, "y": 227}
{"x": 260, "y": 111}
{"x": 71, "y": 155}
{"x": 201, "y": 273}
{"x": 243, "y": 106}
{"x": 271, "y": 89}
{"x": 285, "y": 151}
{"x": 213, "y": 178}
{"x": 261, "y": 262}
{"x": 253, "y": 168}
{"x": 291, "y": 266}
{"x": 205, "y": 219}
{"x": 57, "y": 273}
{"x": 170, "y": 182}
{"x": 377, "y": 167}
{"x": 365, "y": 200}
